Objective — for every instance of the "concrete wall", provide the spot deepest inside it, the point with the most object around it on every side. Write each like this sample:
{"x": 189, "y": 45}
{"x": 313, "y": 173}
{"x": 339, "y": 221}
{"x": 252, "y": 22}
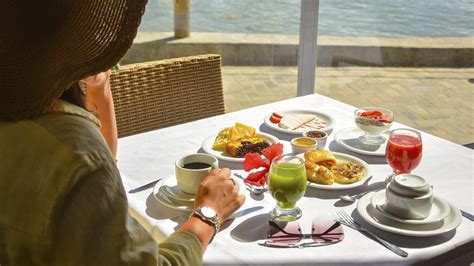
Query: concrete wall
{"x": 282, "y": 50}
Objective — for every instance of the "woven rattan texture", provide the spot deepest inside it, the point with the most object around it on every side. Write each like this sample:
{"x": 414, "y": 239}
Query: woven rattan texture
{"x": 158, "y": 94}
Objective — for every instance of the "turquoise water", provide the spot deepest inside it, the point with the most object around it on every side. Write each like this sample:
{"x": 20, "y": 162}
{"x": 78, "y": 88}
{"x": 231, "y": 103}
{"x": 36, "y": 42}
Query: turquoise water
{"x": 357, "y": 18}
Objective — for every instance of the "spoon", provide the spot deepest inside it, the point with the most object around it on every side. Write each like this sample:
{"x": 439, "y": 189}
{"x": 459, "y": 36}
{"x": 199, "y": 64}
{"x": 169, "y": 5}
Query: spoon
{"x": 353, "y": 198}
{"x": 257, "y": 190}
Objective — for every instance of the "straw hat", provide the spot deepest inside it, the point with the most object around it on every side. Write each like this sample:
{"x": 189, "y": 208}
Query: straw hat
{"x": 45, "y": 46}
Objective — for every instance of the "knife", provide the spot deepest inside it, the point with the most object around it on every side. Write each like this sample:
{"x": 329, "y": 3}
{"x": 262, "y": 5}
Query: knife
{"x": 467, "y": 215}
{"x": 144, "y": 187}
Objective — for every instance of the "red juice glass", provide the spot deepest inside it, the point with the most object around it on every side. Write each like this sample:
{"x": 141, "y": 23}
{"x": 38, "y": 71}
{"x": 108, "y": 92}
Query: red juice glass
{"x": 404, "y": 150}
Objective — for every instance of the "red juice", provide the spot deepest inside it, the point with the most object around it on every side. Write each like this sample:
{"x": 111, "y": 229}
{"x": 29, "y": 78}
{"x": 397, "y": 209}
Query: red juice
{"x": 403, "y": 153}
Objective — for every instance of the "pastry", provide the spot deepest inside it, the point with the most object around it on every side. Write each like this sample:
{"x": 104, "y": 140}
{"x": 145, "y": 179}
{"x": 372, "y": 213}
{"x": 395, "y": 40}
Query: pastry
{"x": 347, "y": 172}
{"x": 318, "y": 174}
{"x": 240, "y": 147}
{"x": 321, "y": 157}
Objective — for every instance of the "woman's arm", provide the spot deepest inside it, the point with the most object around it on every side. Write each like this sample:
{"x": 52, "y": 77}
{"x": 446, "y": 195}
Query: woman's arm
{"x": 100, "y": 102}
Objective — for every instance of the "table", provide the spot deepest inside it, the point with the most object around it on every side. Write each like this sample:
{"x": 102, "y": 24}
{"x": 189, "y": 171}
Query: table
{"x": 446, "y": 165}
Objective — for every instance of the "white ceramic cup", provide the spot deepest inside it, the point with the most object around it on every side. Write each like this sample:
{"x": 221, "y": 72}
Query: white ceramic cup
{"x": 409, "y": 197}
{"x": 191, "y": 169}
{"x": 302, "y": 144}
{"x": 319, "y": 135}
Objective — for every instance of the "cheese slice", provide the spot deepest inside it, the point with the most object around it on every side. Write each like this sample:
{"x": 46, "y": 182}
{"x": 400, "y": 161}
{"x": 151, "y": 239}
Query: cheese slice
{"x": 295, "y": 121}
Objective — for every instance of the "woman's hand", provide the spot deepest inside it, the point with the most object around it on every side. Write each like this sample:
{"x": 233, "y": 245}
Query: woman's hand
{"x": 219, "y": 192}
{"x": 99, "y": 101}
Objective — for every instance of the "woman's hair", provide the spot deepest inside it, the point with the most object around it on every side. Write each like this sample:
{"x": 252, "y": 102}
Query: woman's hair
{"x": 75, "y": 95}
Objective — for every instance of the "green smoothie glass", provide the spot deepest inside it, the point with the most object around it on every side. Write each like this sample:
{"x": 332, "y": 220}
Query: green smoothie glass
{"x": 287, "y": 184}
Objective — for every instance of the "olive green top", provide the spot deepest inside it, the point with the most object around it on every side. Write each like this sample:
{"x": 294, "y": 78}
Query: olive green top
{"x": 62, "y": 201}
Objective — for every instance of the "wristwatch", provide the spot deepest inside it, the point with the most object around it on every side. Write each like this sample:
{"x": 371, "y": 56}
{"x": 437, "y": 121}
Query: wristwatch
{"x": 209, "y": 216}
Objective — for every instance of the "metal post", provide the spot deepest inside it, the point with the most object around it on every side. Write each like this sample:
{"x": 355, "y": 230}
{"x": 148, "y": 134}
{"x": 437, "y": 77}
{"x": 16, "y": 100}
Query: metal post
{"x": 307, "y": 54}
{"x": 181, "y": 18}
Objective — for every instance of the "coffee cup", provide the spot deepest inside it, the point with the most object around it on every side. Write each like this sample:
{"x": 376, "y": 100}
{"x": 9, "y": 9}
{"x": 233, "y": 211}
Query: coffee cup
{"x": 409, "y": 196}
{"x": 319, "y": 135}
{"x": 191, "y": 169}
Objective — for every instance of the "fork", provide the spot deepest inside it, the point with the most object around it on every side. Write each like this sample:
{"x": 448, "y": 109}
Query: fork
{"x": 346, "y": 220}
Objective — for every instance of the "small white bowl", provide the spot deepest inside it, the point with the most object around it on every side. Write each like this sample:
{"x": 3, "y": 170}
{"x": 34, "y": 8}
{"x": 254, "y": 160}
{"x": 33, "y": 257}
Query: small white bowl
{"x": 319, "y": 135}
{"x": 302, "y": 144}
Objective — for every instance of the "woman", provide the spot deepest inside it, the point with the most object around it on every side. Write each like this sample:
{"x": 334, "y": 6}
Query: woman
{"x": 62, "y": 201}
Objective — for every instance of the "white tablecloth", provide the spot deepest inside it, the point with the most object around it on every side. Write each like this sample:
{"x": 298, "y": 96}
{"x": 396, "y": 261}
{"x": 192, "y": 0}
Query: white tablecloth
{"x": 145, "y": 157}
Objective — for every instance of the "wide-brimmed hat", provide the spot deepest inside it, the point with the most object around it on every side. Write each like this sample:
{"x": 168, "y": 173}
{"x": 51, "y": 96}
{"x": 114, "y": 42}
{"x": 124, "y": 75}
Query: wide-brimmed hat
{"x": 45, "y": 46}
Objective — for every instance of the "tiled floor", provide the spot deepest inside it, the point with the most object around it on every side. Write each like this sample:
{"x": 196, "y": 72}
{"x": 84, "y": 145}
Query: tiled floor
{"x": 439, "y": 101}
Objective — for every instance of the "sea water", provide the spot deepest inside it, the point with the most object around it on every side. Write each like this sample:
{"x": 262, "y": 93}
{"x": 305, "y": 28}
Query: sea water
{"x": 346, "y": 18}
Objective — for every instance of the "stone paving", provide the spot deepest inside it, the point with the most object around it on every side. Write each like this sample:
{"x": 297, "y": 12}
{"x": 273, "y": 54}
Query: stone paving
{"x": 439, "y": 101}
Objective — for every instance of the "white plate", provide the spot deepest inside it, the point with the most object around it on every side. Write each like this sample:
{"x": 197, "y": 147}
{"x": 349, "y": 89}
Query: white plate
{"x": 439, "y": 210}
{"x": 341, "y": 157}
{"x": 208, "y": 142}
{"x": 373, "y": 217}
{"x": 183, "y": 205}
{"x": 349, "y": 138}
{"x": 324, "y": 116}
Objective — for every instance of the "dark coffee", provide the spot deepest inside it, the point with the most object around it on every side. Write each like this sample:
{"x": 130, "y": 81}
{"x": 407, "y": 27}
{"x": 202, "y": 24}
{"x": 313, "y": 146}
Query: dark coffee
{"x": 196, "y": 165}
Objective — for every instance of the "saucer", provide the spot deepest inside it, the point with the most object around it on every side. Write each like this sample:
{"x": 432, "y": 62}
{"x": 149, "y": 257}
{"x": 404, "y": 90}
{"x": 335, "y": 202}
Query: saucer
{"x": 170, "y": 188}
{"x": 348, "y": 138}
{"x": 163, "y": 198}
{"x": 181, "y": 201}
{"x": 439, "y": 210}
{"x": 368, "y": 213}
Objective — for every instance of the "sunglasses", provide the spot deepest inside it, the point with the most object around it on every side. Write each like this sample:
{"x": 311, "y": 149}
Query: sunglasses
{"x": 289, "y": 234}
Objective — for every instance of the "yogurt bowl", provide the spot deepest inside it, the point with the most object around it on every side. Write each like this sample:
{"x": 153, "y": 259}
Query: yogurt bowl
{"x": 373, "y": 121}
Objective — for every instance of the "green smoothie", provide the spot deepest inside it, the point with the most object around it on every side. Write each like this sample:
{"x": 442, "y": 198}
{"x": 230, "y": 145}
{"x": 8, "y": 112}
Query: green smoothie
{"x": 287, "y": 183}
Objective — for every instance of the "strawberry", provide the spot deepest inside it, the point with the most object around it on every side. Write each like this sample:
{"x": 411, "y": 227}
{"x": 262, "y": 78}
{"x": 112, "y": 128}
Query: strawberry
{"x": 275, "y": 118}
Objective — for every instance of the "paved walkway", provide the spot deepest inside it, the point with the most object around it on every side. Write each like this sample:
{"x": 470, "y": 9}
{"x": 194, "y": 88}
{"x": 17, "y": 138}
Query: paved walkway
{"x": 439, "y": 101}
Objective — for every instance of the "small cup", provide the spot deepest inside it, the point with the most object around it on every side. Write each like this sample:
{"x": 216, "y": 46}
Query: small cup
{"x": 319, "y": 136}
{"x": 302, "y": 144}
{"x": 192, "y": 169}
{"x": 409, "y": 197}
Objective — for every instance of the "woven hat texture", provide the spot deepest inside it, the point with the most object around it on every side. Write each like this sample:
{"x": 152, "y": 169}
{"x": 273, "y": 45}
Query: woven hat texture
{"x": 45, "y": 46}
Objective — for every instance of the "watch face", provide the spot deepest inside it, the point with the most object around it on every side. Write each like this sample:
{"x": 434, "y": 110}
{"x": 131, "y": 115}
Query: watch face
{"x": 208, "y": 212}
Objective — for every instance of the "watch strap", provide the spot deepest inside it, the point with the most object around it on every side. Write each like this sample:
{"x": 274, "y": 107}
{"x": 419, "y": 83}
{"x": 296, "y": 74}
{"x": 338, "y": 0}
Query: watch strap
{"x": 215, "y": 222}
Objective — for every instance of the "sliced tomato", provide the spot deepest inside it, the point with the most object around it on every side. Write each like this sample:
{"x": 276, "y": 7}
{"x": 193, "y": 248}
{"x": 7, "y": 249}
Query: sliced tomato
{"x": 275, "y": 118}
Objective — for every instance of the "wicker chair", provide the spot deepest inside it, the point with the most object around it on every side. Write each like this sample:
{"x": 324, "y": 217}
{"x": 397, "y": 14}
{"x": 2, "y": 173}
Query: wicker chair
{"x": 158, "y": 94}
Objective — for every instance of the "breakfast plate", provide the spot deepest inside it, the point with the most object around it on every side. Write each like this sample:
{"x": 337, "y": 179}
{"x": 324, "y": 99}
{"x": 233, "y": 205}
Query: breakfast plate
{"x": 341, "y": 157}
{"x": 348, "y": 138}
{"x": 323, "y": 117}
{"x": 167, "y": 192}
{"x": 439, "y": 210}
{"x": 208, "y": 142}
{"x": 368, "y": 213}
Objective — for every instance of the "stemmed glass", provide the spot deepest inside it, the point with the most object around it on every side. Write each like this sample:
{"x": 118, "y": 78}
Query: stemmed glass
{"x": 373, "y": 121}
{"x": 404, "y": 151}
{"x": 287, "y": 184}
